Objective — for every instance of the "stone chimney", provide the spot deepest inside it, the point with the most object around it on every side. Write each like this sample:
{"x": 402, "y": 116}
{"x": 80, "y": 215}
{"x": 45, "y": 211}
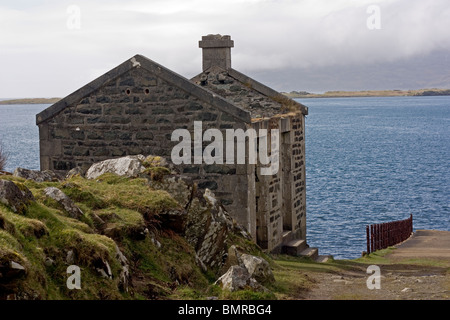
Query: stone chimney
{"x": 216, "y": 51}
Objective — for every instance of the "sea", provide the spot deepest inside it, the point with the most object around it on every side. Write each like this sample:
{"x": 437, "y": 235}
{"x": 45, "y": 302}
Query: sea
{"x": 368, "y": 160}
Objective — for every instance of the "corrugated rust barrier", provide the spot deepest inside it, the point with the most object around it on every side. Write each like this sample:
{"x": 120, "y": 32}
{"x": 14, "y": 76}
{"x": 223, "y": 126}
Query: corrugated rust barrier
{"x": 383, "y": 235}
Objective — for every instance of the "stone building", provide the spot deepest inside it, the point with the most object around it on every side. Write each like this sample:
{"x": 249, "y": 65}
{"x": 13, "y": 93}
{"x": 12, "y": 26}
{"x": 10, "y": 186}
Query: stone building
{"x": 135, "y": 107}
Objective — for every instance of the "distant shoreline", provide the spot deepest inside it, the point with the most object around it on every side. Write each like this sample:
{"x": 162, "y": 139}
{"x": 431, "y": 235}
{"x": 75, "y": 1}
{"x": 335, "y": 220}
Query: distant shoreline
{"x": 369, "y": 93}
{"x": 30, "y": 101}
{"x": 293, "y": 95}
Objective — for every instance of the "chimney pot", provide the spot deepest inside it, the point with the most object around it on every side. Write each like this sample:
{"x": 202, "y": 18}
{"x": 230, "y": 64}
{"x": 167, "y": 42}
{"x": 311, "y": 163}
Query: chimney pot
{"x": 216, "y": 51}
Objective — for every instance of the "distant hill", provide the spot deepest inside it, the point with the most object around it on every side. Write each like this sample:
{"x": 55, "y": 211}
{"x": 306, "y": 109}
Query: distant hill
{"x": 368, "y": 93}
{"x": 31, "y": 101}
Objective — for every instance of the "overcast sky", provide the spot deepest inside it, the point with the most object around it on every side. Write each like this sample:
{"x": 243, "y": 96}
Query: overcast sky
{"x": 51, "y": 48}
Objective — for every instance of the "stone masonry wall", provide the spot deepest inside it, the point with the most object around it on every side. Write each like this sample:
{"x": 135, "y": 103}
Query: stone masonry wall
{"x": 269, "y": 197}
{"x": 298, "y": 175}
{"x": 281, "y": 198}
{"x": 136, "y": 114}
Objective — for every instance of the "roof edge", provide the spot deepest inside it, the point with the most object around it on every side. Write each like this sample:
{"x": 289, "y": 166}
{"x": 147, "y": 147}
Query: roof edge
{"x": 193, "y": 88}
{"x": 84, "y": 91}
{"x": 155, "y": 68}
{"x": 262, "y": 88}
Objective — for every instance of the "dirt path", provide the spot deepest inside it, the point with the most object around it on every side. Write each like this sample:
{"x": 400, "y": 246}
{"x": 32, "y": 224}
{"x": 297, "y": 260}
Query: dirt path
{"x": 418, "y": 269}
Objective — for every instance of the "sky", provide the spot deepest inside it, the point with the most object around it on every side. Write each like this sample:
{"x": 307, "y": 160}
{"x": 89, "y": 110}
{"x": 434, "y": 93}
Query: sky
{"x": 51, "y": 48}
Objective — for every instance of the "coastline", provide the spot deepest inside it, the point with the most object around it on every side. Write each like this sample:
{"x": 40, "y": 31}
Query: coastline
{"x": 292, "y": 95}
{"x": 369, "y": 93}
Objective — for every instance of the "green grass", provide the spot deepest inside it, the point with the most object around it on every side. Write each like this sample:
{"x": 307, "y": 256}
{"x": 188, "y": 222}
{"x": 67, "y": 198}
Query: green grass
{"x": 45, "y": 231}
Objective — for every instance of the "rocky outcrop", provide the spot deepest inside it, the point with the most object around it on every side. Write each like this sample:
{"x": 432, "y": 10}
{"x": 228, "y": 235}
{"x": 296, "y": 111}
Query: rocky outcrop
{"x": 238, "y": 278}
{"x": 11, "y": 270}
{"x": 195, "y": 221}
{"x": 129, "y": 166}
{"x": 17, "y": 197}
{"x": 207, "y": 229}
{"x": 38, "y": 176}
{"x": 75, "y": 171}
{"x": 257, "y": 268}
{"x": 245, "y": 271}
{"x": 68, "y": 205}
{"x": 124, "y": 275}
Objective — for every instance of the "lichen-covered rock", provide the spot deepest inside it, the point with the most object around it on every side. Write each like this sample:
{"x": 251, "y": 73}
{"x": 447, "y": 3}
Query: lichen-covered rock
{"x": 238, "y": 278}
{"x": 258, "y": 268}
{"x": 207, "y": 229}
{"x": 75, "y": 171}
{"x": 69, "y": 206}
{"x": 129, "y": 166}
{"x": 35, "y": 175}
{"x": 233, "y": 259}
{"x": 17, "y": 197}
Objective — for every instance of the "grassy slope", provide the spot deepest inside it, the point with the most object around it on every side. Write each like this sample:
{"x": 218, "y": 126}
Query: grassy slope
{"x": 123, "y": 203}
{"x": 169, "y": 272}
{"x": 45, "y": 232}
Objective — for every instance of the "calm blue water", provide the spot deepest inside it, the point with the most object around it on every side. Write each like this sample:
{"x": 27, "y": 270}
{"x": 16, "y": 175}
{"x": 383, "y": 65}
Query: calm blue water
{"x": 19, "y": 135}
{"x": 369, "y": 160}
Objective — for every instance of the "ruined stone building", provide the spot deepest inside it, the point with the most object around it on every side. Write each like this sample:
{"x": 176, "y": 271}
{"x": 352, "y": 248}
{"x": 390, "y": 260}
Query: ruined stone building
{"x": 135, "y": 107}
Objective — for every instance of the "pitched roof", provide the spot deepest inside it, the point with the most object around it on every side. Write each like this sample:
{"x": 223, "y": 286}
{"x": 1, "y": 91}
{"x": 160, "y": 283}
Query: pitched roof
{"x": 251, "y": 95}
{"x": 139, "y": 61}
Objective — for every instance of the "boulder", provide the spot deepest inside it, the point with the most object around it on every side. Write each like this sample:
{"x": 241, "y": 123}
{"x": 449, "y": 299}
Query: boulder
{"x": 233, "y": 259}
{"x": 69, "y": 206}
{"x": 103, "y": 268}
{"x": 11, "y": 270}
{"x": 238, "y": 278}
{"x": 35, "y": 175}
{"x": 17, "y": 197}
{"x": 129, "y": 166}
{"x": 75, "y": 171}
{"x": 258, "y": 268}
{"x": 70, "y": 258}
